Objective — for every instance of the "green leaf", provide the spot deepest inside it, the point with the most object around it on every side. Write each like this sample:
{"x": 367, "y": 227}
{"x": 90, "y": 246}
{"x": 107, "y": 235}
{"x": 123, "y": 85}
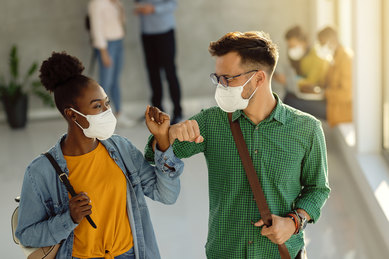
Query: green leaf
{"x": 14, "y": 63}
{"x": 32, "y": 69}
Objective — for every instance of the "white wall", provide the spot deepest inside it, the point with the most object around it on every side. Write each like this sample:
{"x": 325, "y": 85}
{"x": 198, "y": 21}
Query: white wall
{"x": 41, "y": 26}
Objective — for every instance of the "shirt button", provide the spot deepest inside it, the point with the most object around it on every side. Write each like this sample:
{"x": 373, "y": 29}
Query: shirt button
{"x": 256, "y": 128}
{"x": 165, "y": 158}
{"x": 256, "y": 151}
{"x": 251, "y": 242}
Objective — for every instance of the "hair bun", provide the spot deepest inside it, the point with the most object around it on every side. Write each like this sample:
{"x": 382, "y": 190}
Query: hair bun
{"x": 59, "y": 69}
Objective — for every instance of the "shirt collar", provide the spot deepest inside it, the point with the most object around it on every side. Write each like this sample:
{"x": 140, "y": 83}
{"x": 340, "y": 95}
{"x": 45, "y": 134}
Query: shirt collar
{"x": 277, "y": 114}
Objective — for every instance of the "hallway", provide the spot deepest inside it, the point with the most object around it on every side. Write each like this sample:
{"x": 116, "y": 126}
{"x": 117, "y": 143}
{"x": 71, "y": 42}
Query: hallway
{"x": 344, "y": 231}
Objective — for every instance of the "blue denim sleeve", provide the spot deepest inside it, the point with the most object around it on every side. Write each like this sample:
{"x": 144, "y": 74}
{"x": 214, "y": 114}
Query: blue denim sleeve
{"x": 161, "y": 182}
{"x": 36, "y": 228}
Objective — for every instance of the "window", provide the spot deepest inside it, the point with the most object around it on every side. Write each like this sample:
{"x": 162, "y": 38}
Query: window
{"x": 385, "y": 79}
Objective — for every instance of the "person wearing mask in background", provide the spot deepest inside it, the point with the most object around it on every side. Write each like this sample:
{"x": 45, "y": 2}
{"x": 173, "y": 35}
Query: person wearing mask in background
{"x": 158, "y": 39}
{"x": 107, "y": 32}
{"x": 310, "y": 71}
{"x": 338, "y": 83}
{"x": 287, "y": 148}
{"x": 107, "y": 171}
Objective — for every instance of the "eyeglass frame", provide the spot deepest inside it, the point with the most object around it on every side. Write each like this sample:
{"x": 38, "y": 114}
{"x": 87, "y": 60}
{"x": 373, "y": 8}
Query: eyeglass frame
{"x": 214, "y": 76}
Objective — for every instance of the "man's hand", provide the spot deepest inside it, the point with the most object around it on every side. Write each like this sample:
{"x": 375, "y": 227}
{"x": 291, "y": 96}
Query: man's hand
{"x": 158, "y": 124}
{"x": 79, "y": 207}
{"x": 185, "y": 131}
{"x": 280, "y": 231}
{"x": 144, "y": 9}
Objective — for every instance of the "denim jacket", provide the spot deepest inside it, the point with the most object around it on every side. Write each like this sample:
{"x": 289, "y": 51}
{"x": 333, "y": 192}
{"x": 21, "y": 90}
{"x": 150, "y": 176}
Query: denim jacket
{"x": 44, "y": 216}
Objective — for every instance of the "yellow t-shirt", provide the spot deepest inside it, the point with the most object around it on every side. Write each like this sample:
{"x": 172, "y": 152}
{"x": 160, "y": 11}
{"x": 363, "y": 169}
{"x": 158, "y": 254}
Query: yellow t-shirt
{"x": 101, "y": 178}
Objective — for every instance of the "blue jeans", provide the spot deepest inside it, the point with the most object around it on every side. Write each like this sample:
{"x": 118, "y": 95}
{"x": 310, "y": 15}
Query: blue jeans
{"x": 127, "y": 255}
{"x": 109, "y": 77}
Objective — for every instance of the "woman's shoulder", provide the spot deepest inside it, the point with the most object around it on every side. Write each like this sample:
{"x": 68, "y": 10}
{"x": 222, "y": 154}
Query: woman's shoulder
{"x": 39, "y": 169}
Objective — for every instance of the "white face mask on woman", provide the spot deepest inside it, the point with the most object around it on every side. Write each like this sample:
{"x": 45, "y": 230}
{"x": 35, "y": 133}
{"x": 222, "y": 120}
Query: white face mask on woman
{"x": 101, "y": 126}
{"x": 230, "y": 99}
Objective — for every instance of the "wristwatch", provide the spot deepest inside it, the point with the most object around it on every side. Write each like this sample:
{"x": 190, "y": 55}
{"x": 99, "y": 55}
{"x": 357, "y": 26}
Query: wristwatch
{"x": 303, "y": 221}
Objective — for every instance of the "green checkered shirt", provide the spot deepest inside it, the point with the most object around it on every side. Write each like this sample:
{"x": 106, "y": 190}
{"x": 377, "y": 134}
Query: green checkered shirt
{"x": 289, "y": 154}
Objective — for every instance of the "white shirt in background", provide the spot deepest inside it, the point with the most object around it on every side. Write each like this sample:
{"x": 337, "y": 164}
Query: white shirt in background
{"x": 106, "y": 21}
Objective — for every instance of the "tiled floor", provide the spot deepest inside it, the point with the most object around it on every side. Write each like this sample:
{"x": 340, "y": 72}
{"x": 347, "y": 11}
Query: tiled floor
{"x": 181, "y": 229}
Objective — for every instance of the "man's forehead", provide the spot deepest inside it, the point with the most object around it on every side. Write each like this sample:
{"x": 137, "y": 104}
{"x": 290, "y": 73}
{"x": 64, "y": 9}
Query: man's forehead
{"x": 228, "y": 62}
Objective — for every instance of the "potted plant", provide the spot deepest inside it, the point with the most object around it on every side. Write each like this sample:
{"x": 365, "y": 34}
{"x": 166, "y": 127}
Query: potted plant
{"x": 14, "y": 92}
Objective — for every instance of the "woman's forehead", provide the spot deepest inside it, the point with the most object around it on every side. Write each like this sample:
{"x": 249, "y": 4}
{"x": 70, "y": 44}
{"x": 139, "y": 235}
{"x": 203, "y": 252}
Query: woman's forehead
{"x": 92, "y": 91}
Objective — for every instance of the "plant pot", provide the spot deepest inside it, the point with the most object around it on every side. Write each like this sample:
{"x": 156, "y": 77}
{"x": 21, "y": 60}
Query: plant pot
{"x": 16, "y": 110}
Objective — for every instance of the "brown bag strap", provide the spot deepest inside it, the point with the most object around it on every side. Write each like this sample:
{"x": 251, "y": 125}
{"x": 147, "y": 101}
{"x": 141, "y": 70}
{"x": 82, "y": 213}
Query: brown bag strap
{"x": 253, "y": 180}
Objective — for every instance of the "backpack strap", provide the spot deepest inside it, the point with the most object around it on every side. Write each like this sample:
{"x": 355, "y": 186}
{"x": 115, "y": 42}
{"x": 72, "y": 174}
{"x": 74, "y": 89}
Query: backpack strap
{"x": 65, "y": 180}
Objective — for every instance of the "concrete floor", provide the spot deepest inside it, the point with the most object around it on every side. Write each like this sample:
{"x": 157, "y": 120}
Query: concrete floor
{"x": 181, "y": 229}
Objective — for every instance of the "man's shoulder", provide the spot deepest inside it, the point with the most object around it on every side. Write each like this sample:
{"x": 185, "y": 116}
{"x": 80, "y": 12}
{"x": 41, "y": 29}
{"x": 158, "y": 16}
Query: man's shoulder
{"x": 214, "y": 111}
{"x": 300, "y": 118}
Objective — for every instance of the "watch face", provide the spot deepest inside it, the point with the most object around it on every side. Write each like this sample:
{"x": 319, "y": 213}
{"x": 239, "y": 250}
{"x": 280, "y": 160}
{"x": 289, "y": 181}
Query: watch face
{"x": 303, "y": 220}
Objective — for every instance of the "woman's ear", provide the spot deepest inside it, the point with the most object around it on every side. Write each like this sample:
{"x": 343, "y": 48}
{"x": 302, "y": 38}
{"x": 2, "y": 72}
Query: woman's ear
{"x": 69, "y": 114}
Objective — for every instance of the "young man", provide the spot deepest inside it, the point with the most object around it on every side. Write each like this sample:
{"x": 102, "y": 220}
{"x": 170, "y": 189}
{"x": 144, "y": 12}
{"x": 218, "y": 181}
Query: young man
{"x": 286, "y": 146}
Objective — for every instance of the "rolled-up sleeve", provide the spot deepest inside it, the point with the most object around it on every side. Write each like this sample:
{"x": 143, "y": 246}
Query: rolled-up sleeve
{"x": 168, "y": 163}
{"x": 314, "y": 178}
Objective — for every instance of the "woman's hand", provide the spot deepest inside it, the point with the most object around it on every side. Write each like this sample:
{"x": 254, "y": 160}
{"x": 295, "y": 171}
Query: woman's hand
{"x": 79, "y": 207}
{"x": 158, "y": 124}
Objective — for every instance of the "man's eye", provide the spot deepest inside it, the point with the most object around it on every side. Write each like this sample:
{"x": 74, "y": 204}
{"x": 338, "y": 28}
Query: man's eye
{"x": 108, "y": 102}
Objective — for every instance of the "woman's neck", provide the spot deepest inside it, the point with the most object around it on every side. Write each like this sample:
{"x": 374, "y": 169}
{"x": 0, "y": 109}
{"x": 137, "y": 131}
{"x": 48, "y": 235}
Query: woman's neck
{"x": 76, "y": 144}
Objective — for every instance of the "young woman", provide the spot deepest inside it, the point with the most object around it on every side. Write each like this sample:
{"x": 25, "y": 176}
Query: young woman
{"x": 110, "y": 176}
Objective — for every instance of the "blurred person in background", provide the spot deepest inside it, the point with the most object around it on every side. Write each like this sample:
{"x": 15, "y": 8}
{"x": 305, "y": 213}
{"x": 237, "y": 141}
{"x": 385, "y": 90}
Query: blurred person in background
{"x": 306, "y": 93}
{"x": 338, "y": 83}
{"x": 108, "y": 173}
{"x": 158, "y": 39}
{"x": 107, "y": 32}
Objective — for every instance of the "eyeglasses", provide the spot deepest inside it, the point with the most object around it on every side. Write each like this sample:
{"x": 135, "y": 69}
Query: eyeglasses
{"x": 223, "y": 80}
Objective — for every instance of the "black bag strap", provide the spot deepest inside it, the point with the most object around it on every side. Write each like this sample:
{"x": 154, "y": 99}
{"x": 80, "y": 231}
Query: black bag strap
{"x": 255, "y": 185}
{"x": 65, "y": 180}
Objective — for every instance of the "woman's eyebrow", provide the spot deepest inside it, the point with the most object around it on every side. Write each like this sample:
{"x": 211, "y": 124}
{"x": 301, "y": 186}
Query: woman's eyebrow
{"x": 98, "y": 100}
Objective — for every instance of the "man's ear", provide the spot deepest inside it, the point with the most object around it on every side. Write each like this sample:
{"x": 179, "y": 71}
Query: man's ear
{"x": 260, "y": 77}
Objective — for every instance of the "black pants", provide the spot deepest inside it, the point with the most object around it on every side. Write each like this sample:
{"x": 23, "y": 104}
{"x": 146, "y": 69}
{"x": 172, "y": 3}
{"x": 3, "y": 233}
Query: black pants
{"x": 159, "y": 51}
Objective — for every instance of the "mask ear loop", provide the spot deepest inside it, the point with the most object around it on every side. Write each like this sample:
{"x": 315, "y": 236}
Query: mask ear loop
{"x": 256, "y": 88}
{"x": 79, "y": 114}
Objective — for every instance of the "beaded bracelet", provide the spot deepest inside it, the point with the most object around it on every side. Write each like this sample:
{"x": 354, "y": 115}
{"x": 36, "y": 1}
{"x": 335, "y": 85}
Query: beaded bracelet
{"x": 296, "y": 221}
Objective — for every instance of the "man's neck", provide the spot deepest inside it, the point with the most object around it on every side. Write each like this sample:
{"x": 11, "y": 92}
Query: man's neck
{"x": 261, "y": 105}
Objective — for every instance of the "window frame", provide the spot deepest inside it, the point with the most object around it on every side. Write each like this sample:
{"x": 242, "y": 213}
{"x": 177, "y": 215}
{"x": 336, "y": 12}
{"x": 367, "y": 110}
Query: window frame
{"x": 385, "y": 82}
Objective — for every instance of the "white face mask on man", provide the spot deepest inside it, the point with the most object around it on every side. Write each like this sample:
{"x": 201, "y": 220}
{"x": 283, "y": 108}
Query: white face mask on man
{"x": 230, "y": 99}
{"x": 101, "y": 126}
{"x": 296, "y": 53}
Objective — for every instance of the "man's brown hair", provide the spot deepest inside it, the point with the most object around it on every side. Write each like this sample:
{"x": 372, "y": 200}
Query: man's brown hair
{"x": 254, "y": 47}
